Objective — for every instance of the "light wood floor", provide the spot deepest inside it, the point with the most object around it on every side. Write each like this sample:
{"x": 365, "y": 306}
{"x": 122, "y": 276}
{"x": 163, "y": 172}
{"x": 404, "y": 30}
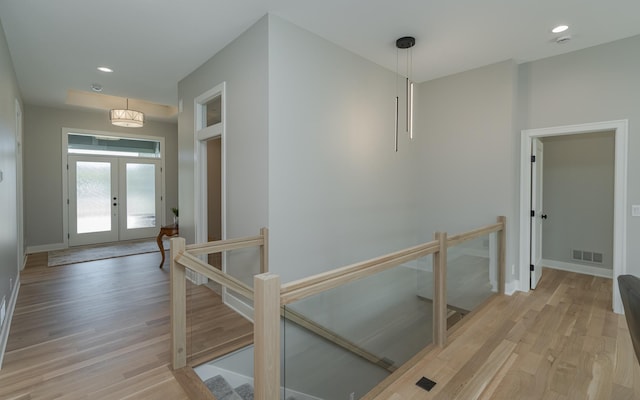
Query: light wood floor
{"x": 560, "y": 341}
{"x": 100, "y": 330}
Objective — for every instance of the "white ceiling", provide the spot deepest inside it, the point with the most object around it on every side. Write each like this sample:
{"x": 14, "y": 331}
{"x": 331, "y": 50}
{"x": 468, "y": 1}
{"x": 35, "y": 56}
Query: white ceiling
{"x": 56, "y": 45}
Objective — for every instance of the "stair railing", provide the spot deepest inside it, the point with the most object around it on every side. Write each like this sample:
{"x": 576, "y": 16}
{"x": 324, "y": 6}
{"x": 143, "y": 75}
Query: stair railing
{"x": 186, "y": 257}
{"x": 269, "y": 295}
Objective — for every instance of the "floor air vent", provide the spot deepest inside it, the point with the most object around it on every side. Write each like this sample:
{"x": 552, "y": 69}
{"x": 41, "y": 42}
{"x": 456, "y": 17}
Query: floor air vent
{"x": 426, "y": 383}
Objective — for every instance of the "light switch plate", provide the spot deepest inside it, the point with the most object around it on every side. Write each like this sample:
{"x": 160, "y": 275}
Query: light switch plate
{"x": 635, "y": 211}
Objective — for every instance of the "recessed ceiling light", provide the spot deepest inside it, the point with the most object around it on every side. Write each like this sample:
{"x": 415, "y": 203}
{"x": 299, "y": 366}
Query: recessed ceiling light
{"x": 560, "y": 28}
{"x": 96, "y": 87}
{"x": 105, "y": 69}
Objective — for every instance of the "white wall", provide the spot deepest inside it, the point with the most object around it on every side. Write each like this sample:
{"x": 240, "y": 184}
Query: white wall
{"x": 578, "y": 197}
{"x": 243, "y": 66}
{"x": 338, "y": 192}
{"x": 43, "y": 165}
{"x": 600, "y": 83}
{"x": 9, "y": 267}
{"x": 464, "y": 153}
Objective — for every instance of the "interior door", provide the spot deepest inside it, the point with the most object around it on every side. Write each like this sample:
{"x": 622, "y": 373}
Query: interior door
{"x": 93, "y": 200}
{"x": 537, "y": 214}
{"x": 113, "y": 198}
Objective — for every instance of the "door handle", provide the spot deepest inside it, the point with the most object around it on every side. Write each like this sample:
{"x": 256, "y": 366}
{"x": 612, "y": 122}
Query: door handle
{"x": 543, "y": 216}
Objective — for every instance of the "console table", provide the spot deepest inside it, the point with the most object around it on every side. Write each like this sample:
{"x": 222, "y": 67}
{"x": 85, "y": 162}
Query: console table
{"x": 168, "y": 230}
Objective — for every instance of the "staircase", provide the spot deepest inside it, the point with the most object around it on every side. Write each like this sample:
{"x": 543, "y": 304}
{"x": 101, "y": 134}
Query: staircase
{"x": 222, "y": 390}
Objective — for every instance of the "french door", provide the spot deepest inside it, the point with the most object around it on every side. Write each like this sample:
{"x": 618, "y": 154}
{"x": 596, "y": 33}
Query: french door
{"x": 113, "y": 198}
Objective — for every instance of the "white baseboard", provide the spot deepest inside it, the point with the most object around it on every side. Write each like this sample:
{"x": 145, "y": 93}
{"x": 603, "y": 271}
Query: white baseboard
{"x": 46, "y": 247}
{"x": 6, "y": 325}
{"x": 579, "y": 268}
{"x": 511, "y": 287}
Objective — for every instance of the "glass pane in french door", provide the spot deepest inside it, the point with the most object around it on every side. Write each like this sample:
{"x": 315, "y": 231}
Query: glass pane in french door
{"x": 141, "y": 195}
{"x": 93, "y": 196}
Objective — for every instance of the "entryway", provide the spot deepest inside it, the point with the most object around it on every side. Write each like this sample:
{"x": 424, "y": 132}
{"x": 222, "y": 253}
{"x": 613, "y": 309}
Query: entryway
{"x": 114, "y": 187}
{"x": 112, "y": 199}
{"x": 530, "y": 214}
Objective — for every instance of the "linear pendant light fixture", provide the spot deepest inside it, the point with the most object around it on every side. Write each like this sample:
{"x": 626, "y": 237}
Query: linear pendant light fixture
{"x": 406, "y": 43}
{"x": 126, "y": 117}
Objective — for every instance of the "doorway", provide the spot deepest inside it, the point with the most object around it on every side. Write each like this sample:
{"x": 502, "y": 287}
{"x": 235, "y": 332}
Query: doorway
{"x": 214, "y": 196}
{"x": 210, "y": 170}
{"x": 527, "y": 228}
{"x": 112, "y": 199}
{"x": 113, "y": 186}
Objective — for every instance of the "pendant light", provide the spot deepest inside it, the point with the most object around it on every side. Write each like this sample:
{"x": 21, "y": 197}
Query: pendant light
{"x": 406, "y": 43}
{"x": 126, "y": 117}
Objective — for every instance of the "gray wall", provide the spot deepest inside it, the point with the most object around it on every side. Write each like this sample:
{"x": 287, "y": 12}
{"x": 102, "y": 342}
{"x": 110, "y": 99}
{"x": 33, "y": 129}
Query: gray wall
{"x": 464, "y": 152}
{"x": 600, "y": 83}
{"x": 9, "y": 93}
{"x": 338, "y": 192}
{"x": 243, "y": 66}
{"x": 578, "y": 197}
{"x": 43, "y": 165}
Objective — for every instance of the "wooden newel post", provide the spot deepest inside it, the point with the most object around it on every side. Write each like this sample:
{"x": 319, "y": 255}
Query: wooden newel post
{"x": 440, "y": 291}
{"x": 266, "y": 336}
{"x": 178, "y": 304}
{"x": 502, "y": 251}
{"x": 264, "y": 251}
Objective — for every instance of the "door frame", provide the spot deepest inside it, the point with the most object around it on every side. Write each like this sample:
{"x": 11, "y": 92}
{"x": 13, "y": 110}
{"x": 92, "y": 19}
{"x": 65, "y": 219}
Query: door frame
{"x": 65, "y": 179}
{"x": 19, "y": 186}
{"x": 201, "y": 135}
{"x": 620, "y": 128}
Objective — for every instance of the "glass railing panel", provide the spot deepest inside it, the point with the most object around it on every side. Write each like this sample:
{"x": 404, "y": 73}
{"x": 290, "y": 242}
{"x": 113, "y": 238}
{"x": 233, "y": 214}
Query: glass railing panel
{"x": 471, "y": 275}
{"x": 345, "y": 340}
{"x": 242, "y": 264}
{"x": 218, "y": 319}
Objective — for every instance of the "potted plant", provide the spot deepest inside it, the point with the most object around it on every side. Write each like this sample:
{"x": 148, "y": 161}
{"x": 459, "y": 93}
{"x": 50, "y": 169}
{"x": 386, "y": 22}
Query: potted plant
{"x": 174, "y": 210}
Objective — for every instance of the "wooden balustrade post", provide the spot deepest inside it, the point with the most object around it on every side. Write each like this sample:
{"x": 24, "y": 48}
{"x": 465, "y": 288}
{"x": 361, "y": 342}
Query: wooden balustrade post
{"x": 440, "y": 291}
{"x": 502, "y": 251}
{"x": 266, "y": 336}
{"x": 264, "y": 251}
{"x": 178, "y": 305}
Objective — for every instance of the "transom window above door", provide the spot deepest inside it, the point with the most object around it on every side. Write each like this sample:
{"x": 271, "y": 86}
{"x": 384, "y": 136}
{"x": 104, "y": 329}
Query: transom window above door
{"x": 112, "y": 146}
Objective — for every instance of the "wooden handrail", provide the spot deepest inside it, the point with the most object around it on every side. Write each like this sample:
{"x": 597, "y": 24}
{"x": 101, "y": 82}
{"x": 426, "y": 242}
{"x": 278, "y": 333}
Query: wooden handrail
{"x": 302, "y": 288}
{"x": 474, "y": 234}
{"x": 225, "y": 245}
{"x": 197, "y": 265}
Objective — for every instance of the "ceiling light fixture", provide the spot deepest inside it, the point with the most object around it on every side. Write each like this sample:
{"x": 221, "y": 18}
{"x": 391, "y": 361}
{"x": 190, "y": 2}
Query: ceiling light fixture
{"x": 560, "y": 28}
{"x": 96, "y": 87}
{"x": 126, "y": 117}
{"x": 105, "y": 69}
{"x": 406, "y": 43}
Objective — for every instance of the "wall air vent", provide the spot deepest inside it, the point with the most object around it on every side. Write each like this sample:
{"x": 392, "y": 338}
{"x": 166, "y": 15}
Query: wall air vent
{"x": 588, "y": 256}
{"x": 597, "y": 258}
{"x": 576, "y": 255}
